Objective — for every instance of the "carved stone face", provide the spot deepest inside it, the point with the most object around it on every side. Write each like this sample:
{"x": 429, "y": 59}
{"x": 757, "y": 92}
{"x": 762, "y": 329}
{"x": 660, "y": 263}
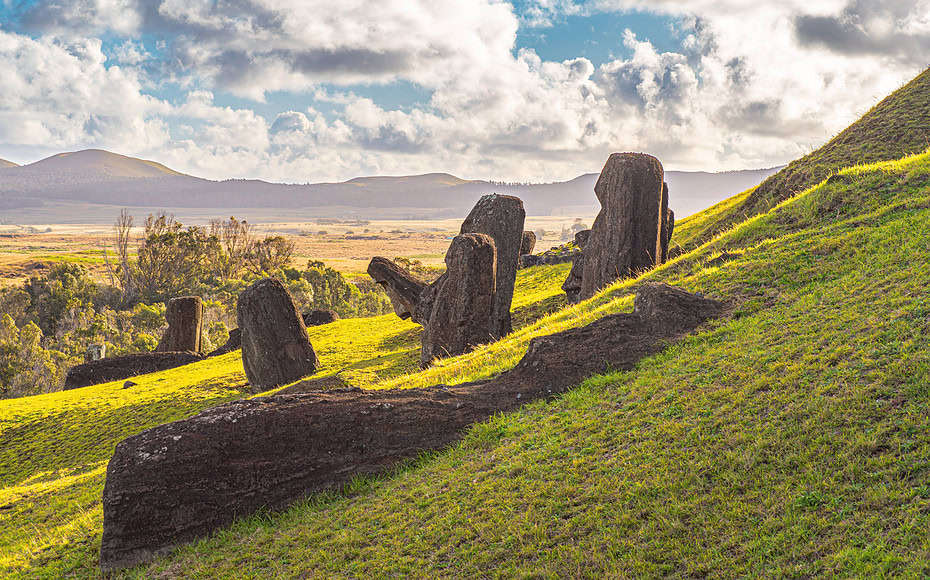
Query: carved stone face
{"x": 401, "y": 307}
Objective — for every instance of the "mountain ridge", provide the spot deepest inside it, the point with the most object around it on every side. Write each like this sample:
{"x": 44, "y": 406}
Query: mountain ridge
{"x": 100, "y": 177}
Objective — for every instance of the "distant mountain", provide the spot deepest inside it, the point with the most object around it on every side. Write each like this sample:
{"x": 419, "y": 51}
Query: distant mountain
{"x": 100, "y": 177}
{"x": 97, "y": 165}
{"x": 5, "y": 163}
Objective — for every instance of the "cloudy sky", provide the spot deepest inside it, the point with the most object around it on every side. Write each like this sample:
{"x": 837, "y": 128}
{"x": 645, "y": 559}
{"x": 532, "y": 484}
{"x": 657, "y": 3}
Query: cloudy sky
{"x": 307, "y": 90}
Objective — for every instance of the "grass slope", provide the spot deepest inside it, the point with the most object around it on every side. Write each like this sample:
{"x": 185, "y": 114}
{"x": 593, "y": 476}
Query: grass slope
{"x": 54, "y": 448}
{"x": 897, "y": 126}
{"x": 788, "y": 440}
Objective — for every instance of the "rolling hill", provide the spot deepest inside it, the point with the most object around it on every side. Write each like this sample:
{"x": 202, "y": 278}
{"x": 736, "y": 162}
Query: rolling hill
{"x": 103, "y": 178}
{"x": 898, "y": 125}
{"x": 789, "y": 440}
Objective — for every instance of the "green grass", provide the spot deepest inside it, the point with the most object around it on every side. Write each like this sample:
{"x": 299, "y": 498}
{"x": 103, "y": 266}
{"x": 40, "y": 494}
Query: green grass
{"x": 897, "y": 126}
{"x": 789, "y": 440}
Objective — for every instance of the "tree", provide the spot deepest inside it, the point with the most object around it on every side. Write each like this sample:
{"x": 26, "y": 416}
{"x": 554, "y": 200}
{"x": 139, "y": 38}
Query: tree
{"x": 172, "y": 260}
{"x": 236, "y": 241}
{"x": 270, "y": 254}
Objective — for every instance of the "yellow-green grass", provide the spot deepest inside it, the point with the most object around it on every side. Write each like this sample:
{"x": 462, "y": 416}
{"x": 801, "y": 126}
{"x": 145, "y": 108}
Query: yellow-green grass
{"x": 787, "y": 440}
{"x": 899, "y": 125}
{"x": 54, "y": 447}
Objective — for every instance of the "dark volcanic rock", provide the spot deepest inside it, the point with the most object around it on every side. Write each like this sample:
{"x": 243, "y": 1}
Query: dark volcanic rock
{"x": 275, "y": 346}
{"x": 501, "y": 217}
{"x": 668, "y": 224}
{"x": 528, "y": 243}
{"x": 572, "y": 284}
{"x": 181, "y": 480}
{"x": 123, "y": 367}
{"x": 320, "y": 316}
{"x": 549, "y": 258}
{"x": 234, "y": 342}
{"x": 185, "y": 324}
{"x": 625, "y": 238}
{"x": 581, "y": 238}
{"x": 461, "y": 316}
{"x": 401, "y": 287}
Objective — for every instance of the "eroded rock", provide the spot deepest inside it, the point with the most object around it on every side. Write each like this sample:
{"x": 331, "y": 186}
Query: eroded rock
{"x": 182, "y": 480}
{"x": 401, "y": 287}
{"x": 625, "y": 236}
{"x": 528, "y": 243}
{"x": 318, "y": 317}
{"x": 185, "y": 325}
{"x": 123, "y": 367}
{"x": 502, "y": 218}
{"x": 462, "y": 312}
{"x": 275, "y": 346}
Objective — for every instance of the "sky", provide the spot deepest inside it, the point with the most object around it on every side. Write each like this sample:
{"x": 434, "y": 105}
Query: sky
{"x": 305, "y": 91}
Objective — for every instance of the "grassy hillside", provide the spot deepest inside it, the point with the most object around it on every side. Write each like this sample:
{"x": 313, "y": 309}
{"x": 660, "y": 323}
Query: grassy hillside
{"x": 788, "y": 440}
{"x": 897, "y": 126}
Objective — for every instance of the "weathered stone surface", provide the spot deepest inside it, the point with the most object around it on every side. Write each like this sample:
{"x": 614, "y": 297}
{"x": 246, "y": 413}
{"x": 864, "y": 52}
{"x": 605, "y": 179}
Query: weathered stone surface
{"x": 185, "y": 324}
{"x": 234, "y": 342}
{"x": 625, "y": 238}
{"x": 501, "y": 217}
{"x": 572, "y": 284}
{"x": 181, "y": 480}
{"x": 461, "y": 317}
{"x": 401, "y": 287}
{"x": 549, "y": 258}
{"x": 668, "y": 224}
{"x": 528, "y": 243}
{"x": 317, "y": 317}
{"x": 123, "y": 367}
{"x": 275, "y": 346}
{"x": 582, "y": 237}
{"x": 95, "y": 352}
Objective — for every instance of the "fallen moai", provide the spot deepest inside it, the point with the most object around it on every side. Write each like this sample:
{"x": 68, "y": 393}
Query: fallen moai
{"x": 179, "y": 481}
{"x": 501, "y": 217}
{"x": 123, "y": 367}
{"x": 557, "y": 254}
{"x": 275, "y": 346}
{"x": 631, "y": 232}
{"x": 185, "y": 325}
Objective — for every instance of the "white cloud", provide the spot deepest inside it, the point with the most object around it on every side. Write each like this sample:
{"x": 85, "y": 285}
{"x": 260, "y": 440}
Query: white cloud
{"x": 747, "y": 88}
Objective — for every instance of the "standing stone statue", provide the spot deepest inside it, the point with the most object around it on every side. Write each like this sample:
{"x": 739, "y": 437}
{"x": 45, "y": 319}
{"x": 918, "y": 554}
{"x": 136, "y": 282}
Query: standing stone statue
{"x": 627, "y": 234}
{"x": 572, "y": 284}
{"x": 461, "y": 314}
{"x": 185, "y": 325}
{"x": 668, "y": 224}
{"x": 275, "y": 346}
{"x": 501, "y": 217}
{"x": 528, "y": 244}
